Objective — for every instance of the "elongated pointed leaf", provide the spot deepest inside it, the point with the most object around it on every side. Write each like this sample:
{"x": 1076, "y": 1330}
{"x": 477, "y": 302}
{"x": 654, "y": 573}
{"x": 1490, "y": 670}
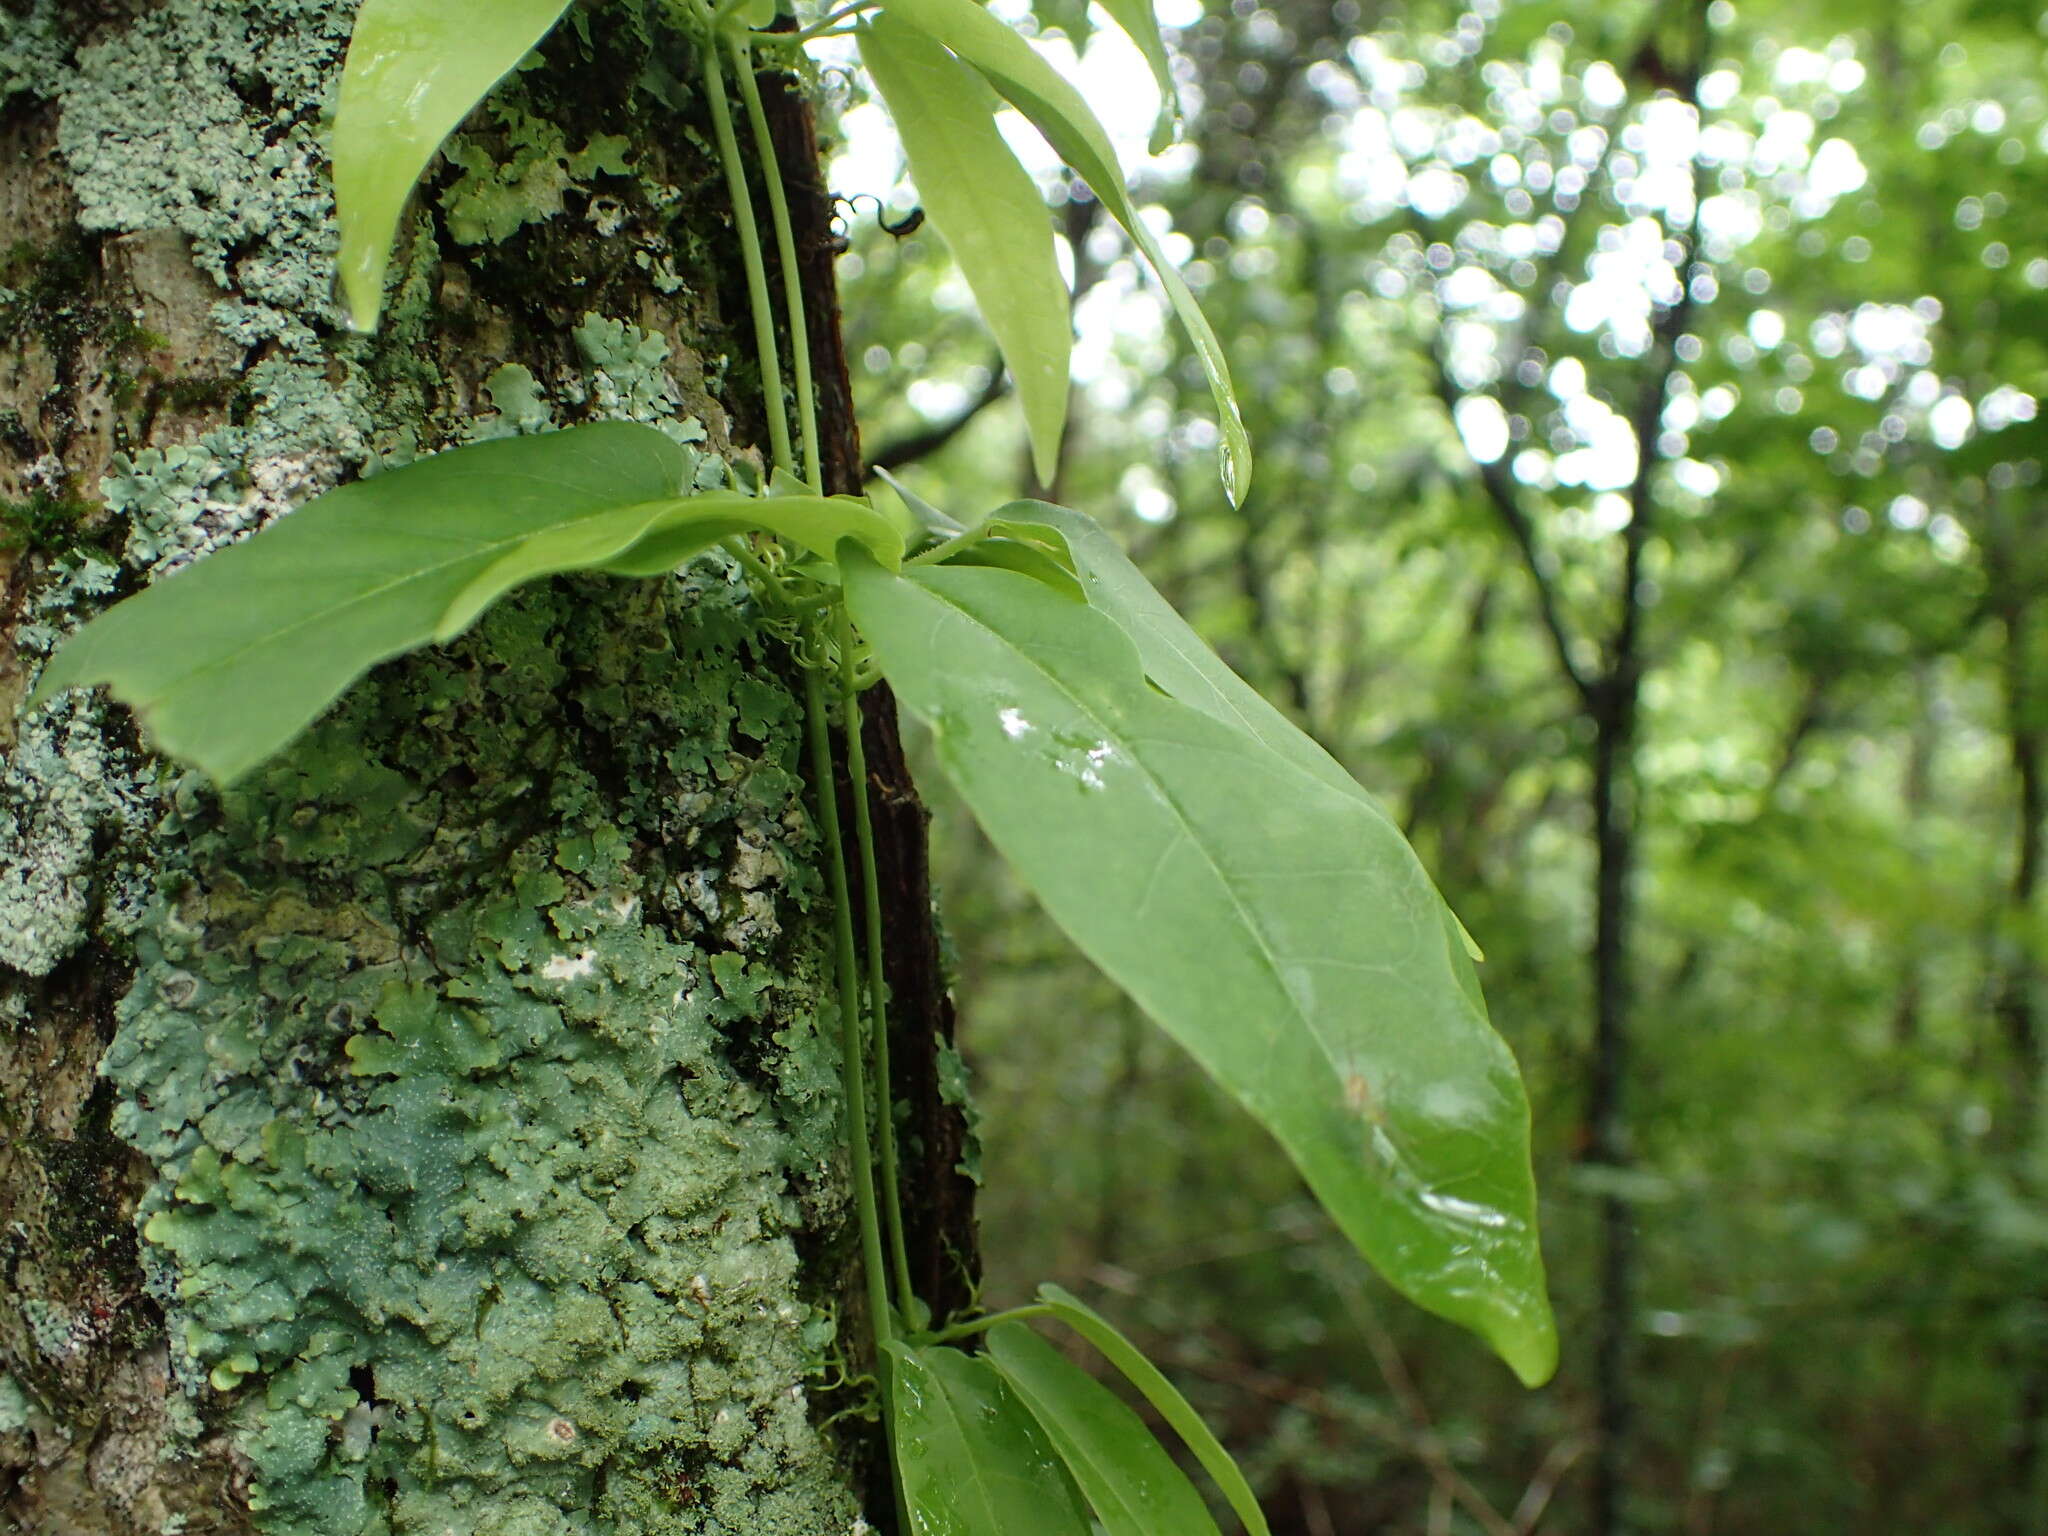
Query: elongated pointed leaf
{"x": 415, "y": 70}
{"x": 1057, "y": 110}
{"x": 972, "y": 1459}
{"x": 928, "y": 516}
{"x": 1275, "y": 925}
{"x": 1131, "y": 1484}
{"x": 1038, "y": 550}
{"x": 229, "y": 659}
{"x": 1165, "y": 1399}
{"x": 1032, "y": 560}
{"x": 1181, "y": 662}
{"x": 990, "y": 212}
{"x": 1141, "y": 25}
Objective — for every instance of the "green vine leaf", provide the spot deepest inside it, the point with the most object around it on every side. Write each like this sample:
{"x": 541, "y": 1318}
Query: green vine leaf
{"x": 1129, "y": 1481}
{"x": 990, "y": 212}
{"x": 1032, "y": 560}
{"x": 1174, "y": 656}
{"x": 1037, "y": 550}
{"x": 1057, "y": 110}
{"x": 655, "y": 537}
{"x": 1141, "y": 25}
{"x": 972, "y": 1459}
{"x": 227, "y": 660}
{"x": 1180, "y": 661}
{"x": 415, "y": 69}
{"x": 1165, "y": 1399}
{"x": 1278, "y": 927}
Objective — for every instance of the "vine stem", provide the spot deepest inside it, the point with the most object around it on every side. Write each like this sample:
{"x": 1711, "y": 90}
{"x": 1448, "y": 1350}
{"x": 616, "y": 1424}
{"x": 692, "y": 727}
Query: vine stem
{"x": 878, "y": 1009}
{"x": 750, "y": 249}
{"x": 785, "y": 249}
{"x": 976, "y": 1325}
{"x": 819, "y": 27}
{"x": 851, "y": 1063}
{"x": 852, "y": 1058}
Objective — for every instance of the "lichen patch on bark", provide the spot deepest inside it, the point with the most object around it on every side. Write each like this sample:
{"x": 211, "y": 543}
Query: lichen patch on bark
{"x": 463, "y": 1112}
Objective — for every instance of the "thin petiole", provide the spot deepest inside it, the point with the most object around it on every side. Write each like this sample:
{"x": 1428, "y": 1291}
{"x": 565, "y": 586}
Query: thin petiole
{"x": 981, "y": 1324}
{"x": 878, "y": 1010}
{"x": 941, "y": 552}
{"x": 785, "y": 250}
{"x": 851, "y": 1066}
{"x": 818, "y": 28}
{"x": 851, "y": 1055}
{"x": 750, "y": 255}
{"x": 765, "y": 581}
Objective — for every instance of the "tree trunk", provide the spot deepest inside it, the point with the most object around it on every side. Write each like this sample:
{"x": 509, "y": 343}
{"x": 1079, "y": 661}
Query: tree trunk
{"x": 440, "y": 1130}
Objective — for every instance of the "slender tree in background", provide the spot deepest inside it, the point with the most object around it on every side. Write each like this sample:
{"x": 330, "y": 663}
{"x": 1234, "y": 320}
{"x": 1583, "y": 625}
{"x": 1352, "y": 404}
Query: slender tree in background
{"x": 1648, "y": 406}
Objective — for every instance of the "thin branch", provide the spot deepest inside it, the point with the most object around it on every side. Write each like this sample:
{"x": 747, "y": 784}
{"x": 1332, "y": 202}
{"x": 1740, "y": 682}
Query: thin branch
{"x": 1543, "y": 1486}
{"x": 1506, "y": 497}
{"x": 1423, "y": 1439}
{"x": 922, "y": 444}
{"x": 1647, "y": 418}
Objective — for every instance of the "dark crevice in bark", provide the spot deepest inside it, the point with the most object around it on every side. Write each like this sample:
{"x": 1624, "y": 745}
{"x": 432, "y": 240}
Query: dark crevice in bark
{"x": 944, "y": 1251}
{"x": 939, "y": 1205}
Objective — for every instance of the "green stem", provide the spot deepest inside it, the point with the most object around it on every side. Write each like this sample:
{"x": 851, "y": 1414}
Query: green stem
{"x": 878, "y": 1009}
{"x": 851, "y": 1056}
{"x": 976, "y": 1325}
{"x": 766, "y": 583}
{"x": 817, "y": 28}
{"x": 939, "y": 553}
{"x": 785, "y": 248}
{"x": 750, "y": 254}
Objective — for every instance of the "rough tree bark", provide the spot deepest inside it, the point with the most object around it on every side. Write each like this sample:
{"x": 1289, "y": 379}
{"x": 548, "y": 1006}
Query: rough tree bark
{"x": 438, "y": 1132}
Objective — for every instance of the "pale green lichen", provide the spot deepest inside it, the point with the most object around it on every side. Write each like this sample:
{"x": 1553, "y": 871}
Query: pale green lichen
{"x": 491, "y": 1185}
{"x": 66, "y": 793}
{"x": 15, "y": 1408}
{"x": 521, "y": 406}
{"x": 158, "y": 133}
{"x": 629, "y": 369}
{"x": 494, "y": 199}
{"x": 956, "y": 1090}
{"x": 32, "y": 49}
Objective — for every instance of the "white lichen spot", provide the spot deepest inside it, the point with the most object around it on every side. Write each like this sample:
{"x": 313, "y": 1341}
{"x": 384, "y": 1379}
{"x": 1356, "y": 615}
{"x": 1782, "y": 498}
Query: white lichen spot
{"x": 571, "y": 967}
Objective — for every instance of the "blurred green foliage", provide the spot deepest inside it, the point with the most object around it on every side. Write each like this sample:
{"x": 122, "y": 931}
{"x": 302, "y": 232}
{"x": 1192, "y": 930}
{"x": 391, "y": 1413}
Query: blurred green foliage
{"x": 1429, "y": 235}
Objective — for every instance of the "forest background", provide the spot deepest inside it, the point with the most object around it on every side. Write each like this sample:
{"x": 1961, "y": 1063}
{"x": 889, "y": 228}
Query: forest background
{"x": 1648, "y": 510}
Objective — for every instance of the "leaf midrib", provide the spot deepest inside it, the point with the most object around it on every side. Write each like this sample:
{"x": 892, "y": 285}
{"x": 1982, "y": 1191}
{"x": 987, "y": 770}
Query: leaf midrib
{"x": 958, "y": 1422}
{"x": 1269, "y": 960}
{"x": 476, "y": 551}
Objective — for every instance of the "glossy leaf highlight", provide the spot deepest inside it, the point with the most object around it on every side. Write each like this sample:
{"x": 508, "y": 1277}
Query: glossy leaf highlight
{"x": 972, "y": 1459}
{"x": 1057, "y": 110}
{"x": 990, "y": 212}
{"x": 1277, "y": 926}
{"x": 1128, "y": 1480}
{"x": 415, "y": 70}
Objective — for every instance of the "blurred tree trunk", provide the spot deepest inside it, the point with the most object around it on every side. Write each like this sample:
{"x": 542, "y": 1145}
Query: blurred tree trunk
{"x": 439, "y": 1130}
{"x": 2015, "y": 996}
